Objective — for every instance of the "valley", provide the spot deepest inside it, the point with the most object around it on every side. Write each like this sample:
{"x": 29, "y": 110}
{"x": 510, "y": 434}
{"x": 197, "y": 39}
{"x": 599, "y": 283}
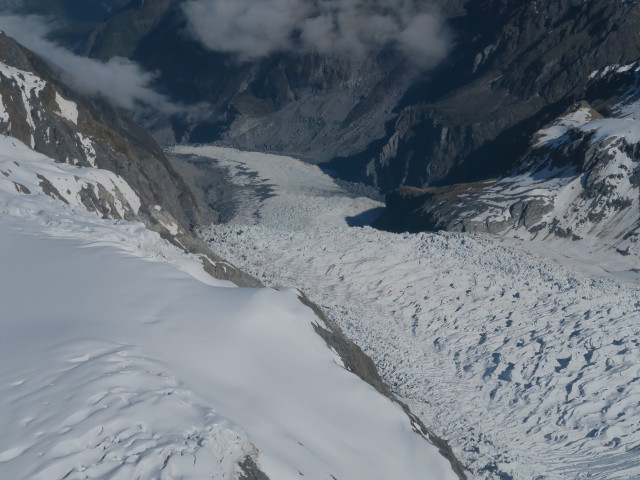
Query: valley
{"x": 330, "y": 240}
{"x": 127, "y": 347}
{"x": 523, "y": 358}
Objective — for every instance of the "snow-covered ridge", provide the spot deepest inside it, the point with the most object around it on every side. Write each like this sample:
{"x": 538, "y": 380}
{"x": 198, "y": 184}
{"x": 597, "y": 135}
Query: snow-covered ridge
{"x": 44, "y": 114}
{"x": 527, "y": 366}
{"x": 579, "y": 181}
{"x": 124, "y": 416}
{"x": 115, "y": 364}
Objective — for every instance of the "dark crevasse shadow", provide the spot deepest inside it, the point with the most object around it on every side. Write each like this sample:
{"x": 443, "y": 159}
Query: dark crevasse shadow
{"x": 365, "y": 218}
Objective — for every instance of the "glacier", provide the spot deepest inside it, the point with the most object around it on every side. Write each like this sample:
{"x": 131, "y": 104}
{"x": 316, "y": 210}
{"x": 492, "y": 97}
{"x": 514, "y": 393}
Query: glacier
{"x": 524, "y": 356}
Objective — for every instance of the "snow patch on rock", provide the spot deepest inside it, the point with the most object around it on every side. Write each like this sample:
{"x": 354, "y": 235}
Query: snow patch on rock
{"x": 30, "y": 87}
{"x": 31, "y": 172}
{"x": 67, "y": 109}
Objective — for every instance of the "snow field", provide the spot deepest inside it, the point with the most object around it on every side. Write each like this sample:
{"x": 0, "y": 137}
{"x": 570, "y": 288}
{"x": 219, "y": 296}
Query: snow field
{"x": 112, "y": 413}
{"x": 67, "y": 108}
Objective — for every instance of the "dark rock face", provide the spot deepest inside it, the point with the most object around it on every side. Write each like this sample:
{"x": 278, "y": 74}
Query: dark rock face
{"x": 81, "y": 18}
{"x": 514, "y": 67}
{"x": 305, "y": 105}
{"x": 311, "y": 106}
{"x": 518, "y": 66}
{"x": 578, "y": 179}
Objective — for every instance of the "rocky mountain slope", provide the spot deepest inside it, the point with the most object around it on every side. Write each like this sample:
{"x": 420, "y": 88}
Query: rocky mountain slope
{"x": 306, "y": 103}
{"x": 510, "y": 69}
{"x": 43, "y": 113}
{"x": 579, "y": 178}
{"x": 474, "y": 117}
{"x": 515, "y": 68}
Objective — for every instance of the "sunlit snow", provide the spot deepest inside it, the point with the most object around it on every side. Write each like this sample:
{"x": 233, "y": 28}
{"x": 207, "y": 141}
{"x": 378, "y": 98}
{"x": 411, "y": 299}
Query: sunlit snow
{"x": 120, "y": 359}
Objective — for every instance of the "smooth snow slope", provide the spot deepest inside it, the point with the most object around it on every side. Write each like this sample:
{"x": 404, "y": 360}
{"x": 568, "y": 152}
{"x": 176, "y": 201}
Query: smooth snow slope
{"x": 115, "y": 364}
{"x": 529, "y": 367}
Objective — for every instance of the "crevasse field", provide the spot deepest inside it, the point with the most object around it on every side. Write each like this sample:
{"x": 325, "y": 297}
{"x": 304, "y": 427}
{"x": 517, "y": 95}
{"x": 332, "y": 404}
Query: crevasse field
{"x": 529, "y": 363}
{"x": 121, "y": 359}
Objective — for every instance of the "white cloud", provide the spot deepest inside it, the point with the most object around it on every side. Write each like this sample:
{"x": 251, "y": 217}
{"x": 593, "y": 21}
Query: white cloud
{"x": 353, "y": 28}
{"x": 121, "y": 81}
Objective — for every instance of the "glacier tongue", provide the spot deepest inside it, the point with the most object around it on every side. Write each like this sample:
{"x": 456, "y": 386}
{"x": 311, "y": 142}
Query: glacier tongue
{"x": 527, "y": 364}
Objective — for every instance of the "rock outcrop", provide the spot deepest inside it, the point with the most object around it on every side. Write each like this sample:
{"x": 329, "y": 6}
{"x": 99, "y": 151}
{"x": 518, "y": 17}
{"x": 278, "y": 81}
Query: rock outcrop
{"x": 578, "y": 179}
{"x": 53, "y": 120}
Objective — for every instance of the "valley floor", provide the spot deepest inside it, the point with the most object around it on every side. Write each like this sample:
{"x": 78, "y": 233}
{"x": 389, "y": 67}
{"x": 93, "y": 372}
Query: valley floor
{"x": 528, "y": 365}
